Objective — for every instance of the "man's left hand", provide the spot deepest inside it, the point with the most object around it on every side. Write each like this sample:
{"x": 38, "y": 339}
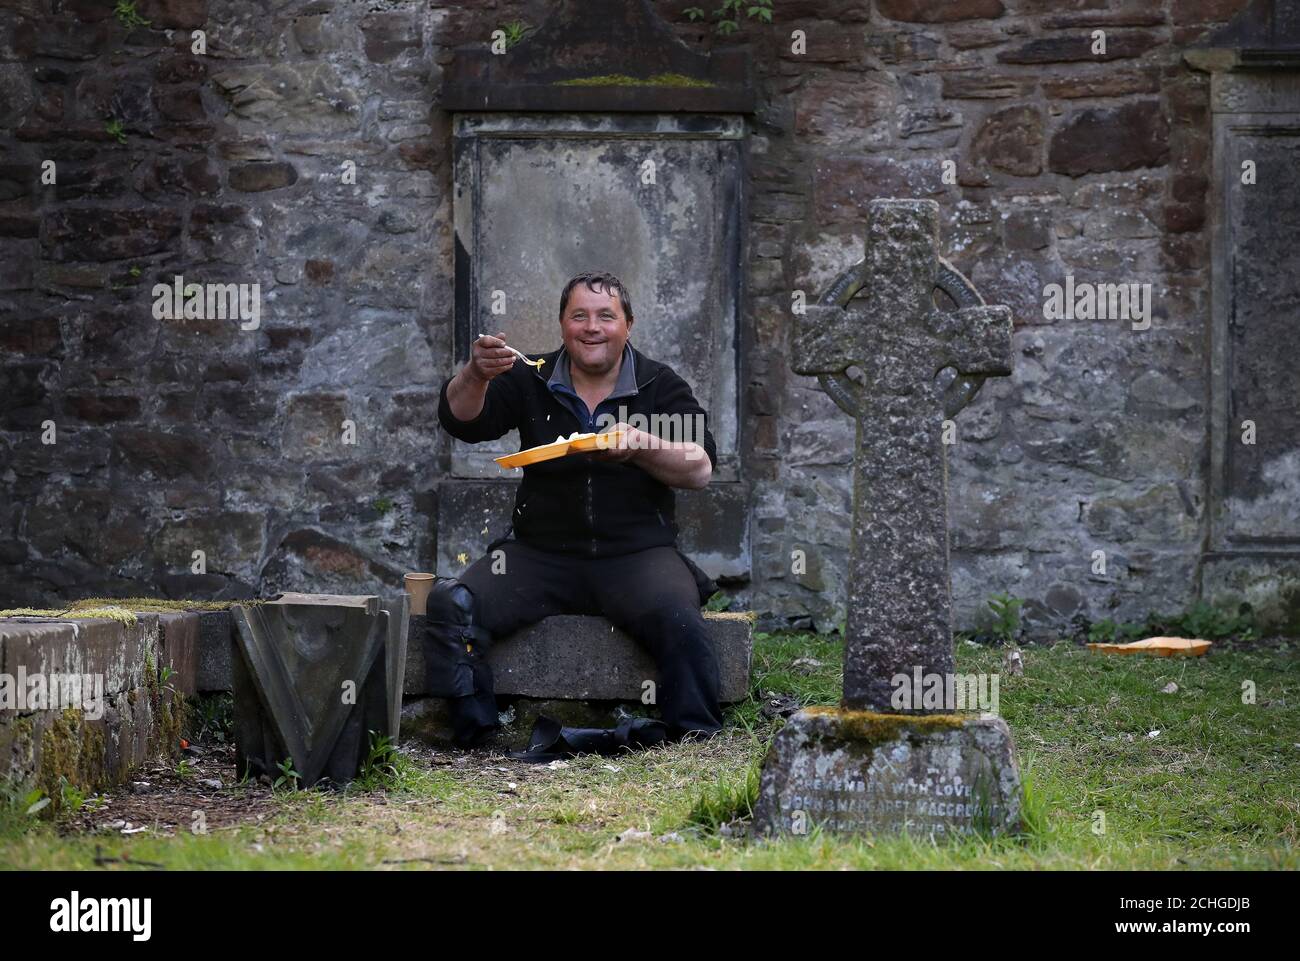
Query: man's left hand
{"x": 624, "y": 448}
{"x": 675, "y": 464}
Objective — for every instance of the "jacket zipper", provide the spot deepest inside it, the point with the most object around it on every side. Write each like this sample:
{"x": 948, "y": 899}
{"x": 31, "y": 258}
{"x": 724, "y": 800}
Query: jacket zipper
{"x": 591, "y": 507}
{"x": 591, "y": 514}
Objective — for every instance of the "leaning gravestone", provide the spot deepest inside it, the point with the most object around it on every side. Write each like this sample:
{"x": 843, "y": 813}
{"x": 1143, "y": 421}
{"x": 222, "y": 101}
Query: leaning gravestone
{"x": 313, "y": 675}
{"x": 880, "y": 763}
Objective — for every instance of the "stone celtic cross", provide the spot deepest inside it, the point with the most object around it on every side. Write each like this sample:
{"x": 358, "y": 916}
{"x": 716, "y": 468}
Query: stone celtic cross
{"x": 899, "y": 593}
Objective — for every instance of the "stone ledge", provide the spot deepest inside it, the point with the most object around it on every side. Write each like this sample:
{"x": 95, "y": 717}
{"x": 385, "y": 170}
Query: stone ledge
{"x": 94, "y": 743}
{"x": 568, "y": 657}
{"x": 579, "y": 658}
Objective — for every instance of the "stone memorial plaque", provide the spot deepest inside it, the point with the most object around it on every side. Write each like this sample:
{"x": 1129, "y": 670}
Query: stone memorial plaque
{"x": 860, "y": 772}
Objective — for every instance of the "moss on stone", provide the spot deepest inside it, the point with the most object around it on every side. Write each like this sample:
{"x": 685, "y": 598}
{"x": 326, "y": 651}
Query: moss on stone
{"x": 72, "y": 752}
{"x": 749, "y": 616}
{"x": 171, "y": 723}
{"x": 874, "y": 728}
{"x": 151, "y": 681}
{"x": 623, "y": 80}
{"x": 159, "y": 605}
{"x": 23, "y": 753}
{"x": 124, "y": 609}
{"x": 111, "y": 613}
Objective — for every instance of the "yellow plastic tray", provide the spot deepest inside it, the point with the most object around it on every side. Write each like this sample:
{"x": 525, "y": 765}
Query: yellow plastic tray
{"x": 1160, "y": 646}
{"x": 559, "y": 448}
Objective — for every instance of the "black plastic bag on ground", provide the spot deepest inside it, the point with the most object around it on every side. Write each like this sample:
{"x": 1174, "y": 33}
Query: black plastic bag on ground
{"x": 550, "y": 741}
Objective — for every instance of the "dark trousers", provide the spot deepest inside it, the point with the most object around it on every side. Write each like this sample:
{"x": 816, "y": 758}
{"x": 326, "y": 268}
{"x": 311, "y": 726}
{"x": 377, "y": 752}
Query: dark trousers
{"x": 651, "y": 594}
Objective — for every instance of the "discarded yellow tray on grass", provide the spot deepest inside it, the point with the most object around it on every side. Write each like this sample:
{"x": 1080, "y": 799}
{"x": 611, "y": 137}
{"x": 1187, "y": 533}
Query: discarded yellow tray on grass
{"x": 1160, "y": 646}
{"x": 560, "y": 447}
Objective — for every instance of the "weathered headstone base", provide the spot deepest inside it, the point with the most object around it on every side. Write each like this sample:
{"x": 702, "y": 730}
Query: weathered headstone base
{"x": 858, "y": 772}
{"x": 315, "y": 677}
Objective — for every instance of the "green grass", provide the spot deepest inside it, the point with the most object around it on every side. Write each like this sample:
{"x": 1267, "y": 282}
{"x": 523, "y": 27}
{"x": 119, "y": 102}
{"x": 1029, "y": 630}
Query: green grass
{"x": 1219, "y": 787}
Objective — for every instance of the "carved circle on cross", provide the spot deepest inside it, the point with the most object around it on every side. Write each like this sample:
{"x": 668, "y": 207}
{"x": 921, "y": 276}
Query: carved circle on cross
{"x": 847, "y": 393}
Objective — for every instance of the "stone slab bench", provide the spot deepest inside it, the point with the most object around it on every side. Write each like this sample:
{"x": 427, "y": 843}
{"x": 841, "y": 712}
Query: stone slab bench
{"x": 567, "y": 657}
{"x": 579, "y": 658}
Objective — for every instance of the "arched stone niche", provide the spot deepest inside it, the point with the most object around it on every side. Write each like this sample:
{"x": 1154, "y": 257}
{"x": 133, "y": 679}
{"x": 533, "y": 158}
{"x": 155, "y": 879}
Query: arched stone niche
{"x": 1253, "y": 548}
{"x": 601, "y": 142}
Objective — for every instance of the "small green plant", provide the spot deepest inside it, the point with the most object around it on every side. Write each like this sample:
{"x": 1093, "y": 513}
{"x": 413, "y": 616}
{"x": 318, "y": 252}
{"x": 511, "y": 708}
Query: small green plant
{"x": 727, "y": 800}
{"x": 1108, "y": 632}
{"x": 1202, "y": 620}
{"x": 96, "y": 802}
{"x": 380, "y": 766}
{"x": 33, "y": 803}
{"x": 114, "y": 129}
{"x": 515, "y": 31}
{"x": 288, "y": 776}
{"x": 728, "y": 15}
{"x": 134, "y": 271}
{"x": 1006, "y": 614}
{"x": 71, "y": 797}
{"x": 1206, "y": 621}
{"x": 214, "y": 718}
{"x": 384, "y": 505}
{"x": 128, "y": 16}
{"x": 185, "y": 768}
{"x": 718, "y": 602}
{"x": 1102, "y": 632}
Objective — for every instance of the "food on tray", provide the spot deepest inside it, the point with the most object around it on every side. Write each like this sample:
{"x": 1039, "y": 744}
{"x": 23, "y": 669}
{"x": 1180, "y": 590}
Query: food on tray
{"x": 561, "y": 447}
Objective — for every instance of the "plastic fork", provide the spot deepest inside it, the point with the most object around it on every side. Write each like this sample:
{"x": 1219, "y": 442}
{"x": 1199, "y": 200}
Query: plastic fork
{"x": 531, "y": 363}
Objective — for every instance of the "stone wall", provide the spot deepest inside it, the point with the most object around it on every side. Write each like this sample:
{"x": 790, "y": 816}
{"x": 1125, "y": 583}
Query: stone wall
{"x": 176, "y": 436}
{"x": 1067, "y": 163}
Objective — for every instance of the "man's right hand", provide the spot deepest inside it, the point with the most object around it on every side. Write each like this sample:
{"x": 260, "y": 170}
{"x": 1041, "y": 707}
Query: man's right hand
{"x": 489, "y": 357}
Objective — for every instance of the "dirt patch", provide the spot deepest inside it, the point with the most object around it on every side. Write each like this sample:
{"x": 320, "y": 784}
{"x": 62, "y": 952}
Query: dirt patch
{"x": 162, "y": 800}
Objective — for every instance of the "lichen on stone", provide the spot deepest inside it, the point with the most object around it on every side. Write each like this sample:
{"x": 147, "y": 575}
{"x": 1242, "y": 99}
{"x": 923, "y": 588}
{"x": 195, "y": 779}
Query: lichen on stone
{"x": 874, "y": 728}
{"x": 160, "y": 605}
{"x": 623, "y": 80}
{"x": 749, "y": 616}
{"x": 111, "y": 613}
{"x": 124, "y": 609}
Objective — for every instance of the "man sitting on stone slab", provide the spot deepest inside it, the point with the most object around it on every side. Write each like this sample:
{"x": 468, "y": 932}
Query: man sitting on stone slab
{"x": 591, "y": 533}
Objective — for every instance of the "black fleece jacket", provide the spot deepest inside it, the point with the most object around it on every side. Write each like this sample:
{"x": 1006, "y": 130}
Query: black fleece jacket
{"x": 575, "y": 504}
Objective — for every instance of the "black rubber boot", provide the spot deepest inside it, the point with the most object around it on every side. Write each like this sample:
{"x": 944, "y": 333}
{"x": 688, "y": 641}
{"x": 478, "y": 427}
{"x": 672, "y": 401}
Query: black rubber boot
{"x": 455, "y": 662}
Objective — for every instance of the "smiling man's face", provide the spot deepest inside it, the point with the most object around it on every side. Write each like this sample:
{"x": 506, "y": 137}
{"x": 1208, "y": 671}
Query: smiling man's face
{"x": 594, "y": 329}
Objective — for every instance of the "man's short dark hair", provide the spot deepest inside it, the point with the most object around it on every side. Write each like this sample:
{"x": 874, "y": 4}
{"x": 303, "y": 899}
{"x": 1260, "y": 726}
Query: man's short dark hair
{"x": 608, "y": 282}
